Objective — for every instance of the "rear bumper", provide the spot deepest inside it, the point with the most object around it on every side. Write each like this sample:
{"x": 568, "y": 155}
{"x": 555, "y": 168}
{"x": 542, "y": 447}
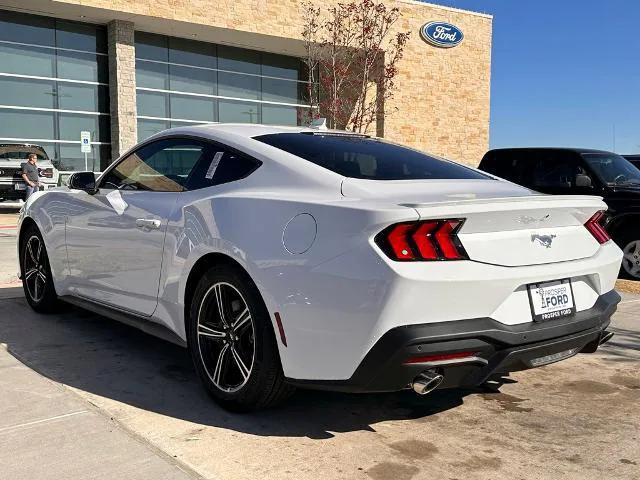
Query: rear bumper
{"x": 499, "y": 349}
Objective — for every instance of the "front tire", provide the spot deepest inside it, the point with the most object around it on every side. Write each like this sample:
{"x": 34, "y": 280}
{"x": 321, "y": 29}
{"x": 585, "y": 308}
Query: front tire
{"x": 37, "y": 280}
{"x": 232, "y": 343}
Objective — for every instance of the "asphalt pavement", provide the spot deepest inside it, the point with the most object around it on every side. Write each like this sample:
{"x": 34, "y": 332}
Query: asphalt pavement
{"x": 83, "y": 397}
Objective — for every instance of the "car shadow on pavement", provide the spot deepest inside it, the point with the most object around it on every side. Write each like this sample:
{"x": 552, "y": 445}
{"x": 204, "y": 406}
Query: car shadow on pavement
{"x": 105, "y": 358}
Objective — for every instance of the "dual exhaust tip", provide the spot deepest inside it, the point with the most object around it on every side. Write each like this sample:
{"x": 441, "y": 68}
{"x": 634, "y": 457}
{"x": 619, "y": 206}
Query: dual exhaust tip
{"x": 426, "y": 382}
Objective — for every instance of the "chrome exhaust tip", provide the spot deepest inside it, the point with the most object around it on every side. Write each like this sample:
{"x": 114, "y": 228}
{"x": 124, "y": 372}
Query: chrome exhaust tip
{"x": 426, "y": 382}
{"x": 605, "y": 337}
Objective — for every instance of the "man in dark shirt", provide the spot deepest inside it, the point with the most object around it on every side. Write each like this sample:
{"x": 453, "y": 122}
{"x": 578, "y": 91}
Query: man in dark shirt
{"x": 30, "y": 175}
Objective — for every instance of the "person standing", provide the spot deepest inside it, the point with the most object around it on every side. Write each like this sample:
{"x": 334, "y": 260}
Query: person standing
{"x": 30, "y": 175}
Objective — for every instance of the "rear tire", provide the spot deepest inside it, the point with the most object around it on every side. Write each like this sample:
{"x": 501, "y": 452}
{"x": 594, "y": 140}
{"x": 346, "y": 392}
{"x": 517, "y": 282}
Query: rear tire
{"x": 37, "y": 280}
{"x": 234, "y": 352}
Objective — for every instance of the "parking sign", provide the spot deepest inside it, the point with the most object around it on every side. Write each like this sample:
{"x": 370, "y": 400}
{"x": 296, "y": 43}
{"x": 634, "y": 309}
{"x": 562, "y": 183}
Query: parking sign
{"x": 85, "y": 142}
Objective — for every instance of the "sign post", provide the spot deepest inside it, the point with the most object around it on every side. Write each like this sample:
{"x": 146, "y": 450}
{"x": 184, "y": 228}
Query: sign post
{"x": 85, "y": 147}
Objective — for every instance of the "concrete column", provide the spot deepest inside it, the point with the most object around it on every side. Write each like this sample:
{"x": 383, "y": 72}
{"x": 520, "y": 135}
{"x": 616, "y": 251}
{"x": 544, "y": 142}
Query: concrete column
{"x": 122, "y": 86}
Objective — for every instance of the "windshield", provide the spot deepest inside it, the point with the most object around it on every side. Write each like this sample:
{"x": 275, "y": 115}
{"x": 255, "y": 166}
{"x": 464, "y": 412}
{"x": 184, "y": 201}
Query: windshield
{"x": 21, "y": 152}
{"x": 367, "y": 158}
{"x": 612, "y": 169}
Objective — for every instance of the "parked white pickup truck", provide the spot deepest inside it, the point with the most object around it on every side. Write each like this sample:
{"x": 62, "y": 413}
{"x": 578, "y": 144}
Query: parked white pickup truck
{"x": 12, "y": 157}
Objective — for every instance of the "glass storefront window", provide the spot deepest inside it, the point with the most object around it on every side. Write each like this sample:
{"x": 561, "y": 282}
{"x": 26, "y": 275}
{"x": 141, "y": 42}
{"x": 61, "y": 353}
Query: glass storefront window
{"x": 238, "y": 112}
{"x": 82, "y": 66}
{"x": 88, "y": 98}
{"x": 192, "y": 80}
{"x": 27, "y": 60}
{"x": 71, "y": 124}
{"x": 238, "y": 86}
{"x": 219, "y": 77}
{"x": 284, "y": 91}
{"x": 80, "y": 36}
{"x": 238, "y": 60}
{"x": 71, "y": 158}
{"x": 36, "y": 30}
{"x": 26, "y": 92}
{"x": 192, "y": 108}
{"x": 152, "y": 75}
{"x": 152, "y": 47}
{"x": 152, "y": 104}
{"x": 280, "y": 115}
{"x": 26, "y": 124}
{"x": 190, "y": 52}
{"x": 74, "y": 96}
{"x": 146, "y": 127}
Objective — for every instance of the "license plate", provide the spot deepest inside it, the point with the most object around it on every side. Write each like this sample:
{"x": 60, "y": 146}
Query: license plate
{"x": 19, "y": 186}
{"x": 551, "y": 300}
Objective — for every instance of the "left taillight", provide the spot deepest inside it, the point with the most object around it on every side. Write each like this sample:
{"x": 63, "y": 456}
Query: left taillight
{"x": 594, "y": 225}
{"x": 423, "y": 241}
{"x": 45, "y": 172}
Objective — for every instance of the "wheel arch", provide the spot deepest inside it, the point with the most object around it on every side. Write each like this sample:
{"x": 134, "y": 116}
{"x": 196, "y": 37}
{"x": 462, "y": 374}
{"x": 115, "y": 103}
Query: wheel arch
{"x": 199, "y": 268}
{"x": 24, "y": 225}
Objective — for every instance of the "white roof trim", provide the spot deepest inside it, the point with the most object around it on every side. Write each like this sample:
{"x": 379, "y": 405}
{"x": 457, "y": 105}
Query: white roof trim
{"x": 451, "y": 9}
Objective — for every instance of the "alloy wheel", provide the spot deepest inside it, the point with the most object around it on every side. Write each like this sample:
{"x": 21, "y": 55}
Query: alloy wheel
{"x": 631, "y": 258}
{"x": 226, "y": 337}
{"x": 35, "y": 273}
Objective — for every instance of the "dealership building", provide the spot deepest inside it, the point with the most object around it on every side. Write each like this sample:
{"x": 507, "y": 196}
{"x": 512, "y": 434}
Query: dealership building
{"x": 125, "y": 69}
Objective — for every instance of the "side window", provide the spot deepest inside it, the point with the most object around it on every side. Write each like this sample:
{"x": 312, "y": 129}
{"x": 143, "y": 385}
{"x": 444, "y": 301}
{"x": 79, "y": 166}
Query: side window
{"x": 162, "y": 166}
{"x": 221, "y": 165}
{"x": 510, "y": 165}
{"x": 554, "y": 170}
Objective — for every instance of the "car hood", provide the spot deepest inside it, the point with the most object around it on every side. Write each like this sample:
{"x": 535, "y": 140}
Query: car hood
{"x": 431, "y": 191}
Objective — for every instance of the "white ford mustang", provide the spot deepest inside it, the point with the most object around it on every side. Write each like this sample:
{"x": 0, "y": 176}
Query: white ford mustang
{"x": 299, "y": 256}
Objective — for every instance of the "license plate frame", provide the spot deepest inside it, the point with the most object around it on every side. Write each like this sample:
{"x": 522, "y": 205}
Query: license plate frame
{"x": 19, "y": 186}
{"x": 543, "y": 293}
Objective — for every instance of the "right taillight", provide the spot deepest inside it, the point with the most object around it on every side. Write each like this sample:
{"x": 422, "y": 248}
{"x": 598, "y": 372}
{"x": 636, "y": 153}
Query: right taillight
{"x": 596, "y": 229}
{"x": 429, "y": 240}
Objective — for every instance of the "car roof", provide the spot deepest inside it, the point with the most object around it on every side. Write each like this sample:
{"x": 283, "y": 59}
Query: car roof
{"x": 555, "y": 149}
{"x": 246, "y": 130}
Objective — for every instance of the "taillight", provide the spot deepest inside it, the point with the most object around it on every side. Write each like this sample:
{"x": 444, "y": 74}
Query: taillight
{"x": 596, "y": 229}
{"x": 45, "y": 172}
{"x": 427, "y": 240}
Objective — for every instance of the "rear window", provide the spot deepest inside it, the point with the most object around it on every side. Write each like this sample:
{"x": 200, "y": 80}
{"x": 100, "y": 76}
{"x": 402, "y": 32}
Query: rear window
{"x": 367, "y": 158}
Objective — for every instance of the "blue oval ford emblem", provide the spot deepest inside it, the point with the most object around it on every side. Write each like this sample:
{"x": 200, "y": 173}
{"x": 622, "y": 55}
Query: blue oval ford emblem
{"x": 441, "y": 34}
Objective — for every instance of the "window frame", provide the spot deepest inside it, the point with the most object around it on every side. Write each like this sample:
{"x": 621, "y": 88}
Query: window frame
{"x": 209, "y": 146}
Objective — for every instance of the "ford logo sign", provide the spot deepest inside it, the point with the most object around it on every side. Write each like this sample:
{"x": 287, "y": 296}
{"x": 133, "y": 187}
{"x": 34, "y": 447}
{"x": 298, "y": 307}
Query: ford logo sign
{"x": 441, "y": 34}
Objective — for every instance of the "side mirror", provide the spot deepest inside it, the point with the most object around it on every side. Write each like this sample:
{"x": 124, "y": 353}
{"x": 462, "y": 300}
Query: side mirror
{"x": 85, "y": 181}
{"x": 583, "y": 181}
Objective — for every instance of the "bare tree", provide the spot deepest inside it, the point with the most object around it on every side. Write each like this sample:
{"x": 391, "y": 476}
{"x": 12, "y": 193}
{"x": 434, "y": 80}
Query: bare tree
{"x": 354, "y": 54}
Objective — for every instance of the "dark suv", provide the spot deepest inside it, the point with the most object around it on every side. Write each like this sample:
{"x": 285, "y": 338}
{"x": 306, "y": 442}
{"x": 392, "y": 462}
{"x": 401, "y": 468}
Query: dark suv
{"x": 575, "y": 171}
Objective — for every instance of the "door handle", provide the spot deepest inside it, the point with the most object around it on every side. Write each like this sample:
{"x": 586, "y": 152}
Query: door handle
{"x": 148, "y": 223}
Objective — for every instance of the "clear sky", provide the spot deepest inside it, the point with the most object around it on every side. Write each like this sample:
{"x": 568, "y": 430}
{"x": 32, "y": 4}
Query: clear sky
{"x": 564, "y": 72}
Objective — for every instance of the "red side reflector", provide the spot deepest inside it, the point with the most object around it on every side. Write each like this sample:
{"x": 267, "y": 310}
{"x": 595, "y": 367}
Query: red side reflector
{"x": 440, "y": 357}
{"x": 283, "y": 337}
{"x": 596, "y": 229}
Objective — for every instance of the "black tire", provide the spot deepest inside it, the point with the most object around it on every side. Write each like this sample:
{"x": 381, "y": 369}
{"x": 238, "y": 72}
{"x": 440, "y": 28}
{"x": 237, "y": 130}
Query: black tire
{"x": 35, "y": 270}
{"x": 630, "y": 246}
{"x": 221, "y": 353}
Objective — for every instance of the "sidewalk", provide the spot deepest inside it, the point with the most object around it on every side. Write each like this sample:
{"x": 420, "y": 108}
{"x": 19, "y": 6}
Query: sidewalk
{"x": 48, "y": 432}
